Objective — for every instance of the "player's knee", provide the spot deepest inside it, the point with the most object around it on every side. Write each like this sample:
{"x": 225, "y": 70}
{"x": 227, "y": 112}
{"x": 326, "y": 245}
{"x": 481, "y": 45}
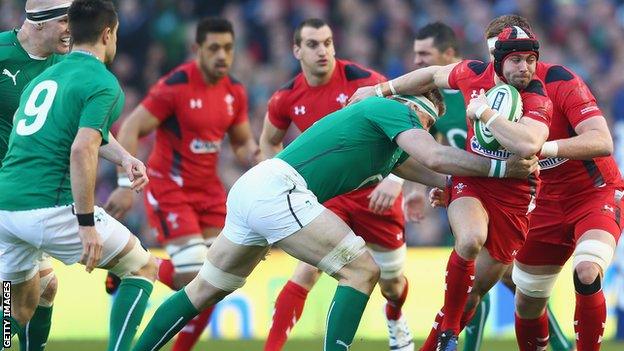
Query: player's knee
{"x": 508, "y": 281}
{"x": 474, "y": 299}
{"x": 350, "y": 260}
{"x": 390, "y": 262}
{"x": 469, "y": 244}
{"x": 48, "y": 285}
{"x": 533, "y": 285}
{"x": 591, "y": 259}
{"x": 392, "y": 289}
{"x": 188, "y": 258}
{"x": 136, "y": 262}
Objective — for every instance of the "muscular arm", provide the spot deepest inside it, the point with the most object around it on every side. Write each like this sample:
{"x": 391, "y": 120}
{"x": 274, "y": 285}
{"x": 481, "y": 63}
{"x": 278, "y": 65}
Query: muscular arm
{"x": 243, "y": 144}
{"x": 420, "y": 145}
{"x": 524, "y": 138}
{"x": 422, "y": 80}
{"x": 416, "y": 172}
{"x": 83, "y": 167}
{"x": 271, "y": 138}
{"x": 593, "y": 139}
{"x": 140, "y": 123}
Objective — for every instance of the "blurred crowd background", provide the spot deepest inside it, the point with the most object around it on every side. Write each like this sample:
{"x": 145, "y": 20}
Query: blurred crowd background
{"x": 156, "y": 35}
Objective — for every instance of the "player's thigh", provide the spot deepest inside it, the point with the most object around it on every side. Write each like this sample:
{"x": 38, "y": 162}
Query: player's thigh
{"x": 468, "y": 219}
{"x": 234, "y": 258}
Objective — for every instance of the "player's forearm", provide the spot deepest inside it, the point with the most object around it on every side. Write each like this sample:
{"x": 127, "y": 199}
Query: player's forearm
{"x": 414, "y": 171}
{"x": 270, "y": 149}
{"x": 586, "y": 146}
{"x": 83, "y": 171}
{"x": 128, "y": 138}
{"x": 449, "y": 160}
{"x": 518, "y": 138}
{"x": 246, "y": 152}
{"x": 414, "y": 83}
{"x": 113, "y": 151}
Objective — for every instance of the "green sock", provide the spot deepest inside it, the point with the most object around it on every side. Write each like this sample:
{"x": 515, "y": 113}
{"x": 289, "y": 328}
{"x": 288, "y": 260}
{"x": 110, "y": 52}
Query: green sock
{"x": 127, "y": 312}
{"x": 473, "y": 334}
{"x": 343, "y": 318}
{"x": 34, "y": 336}
{"x": 558, "y": 340}
{"x": 168, "y": 320}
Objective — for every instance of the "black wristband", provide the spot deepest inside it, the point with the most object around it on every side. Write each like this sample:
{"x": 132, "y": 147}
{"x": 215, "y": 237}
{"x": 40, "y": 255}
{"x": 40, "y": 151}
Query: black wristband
{"x": 86, "y": 219}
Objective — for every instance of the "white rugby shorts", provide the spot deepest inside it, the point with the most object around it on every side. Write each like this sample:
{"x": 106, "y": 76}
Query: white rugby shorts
{"x": 25, "y": 236}
{"x": 268, "y": 203}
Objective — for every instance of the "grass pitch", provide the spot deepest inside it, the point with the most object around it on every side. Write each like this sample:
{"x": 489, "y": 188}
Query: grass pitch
{"x": 294, "y": 345}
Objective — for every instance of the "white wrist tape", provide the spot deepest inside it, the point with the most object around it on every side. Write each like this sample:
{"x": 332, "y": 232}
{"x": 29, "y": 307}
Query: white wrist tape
{"x": 492, "y": 119}
{"x": 392, "y": 90}
{"x": 378, "y": 91}
{"x": 123, "y": 181}
{"x": 550, "y": 149}
{"x": 395, "y": 178}
{"x": 480, "y": 110}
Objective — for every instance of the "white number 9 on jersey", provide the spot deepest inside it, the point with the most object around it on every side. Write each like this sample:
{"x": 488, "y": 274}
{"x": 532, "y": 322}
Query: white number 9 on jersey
{"x": 40, "y": 112}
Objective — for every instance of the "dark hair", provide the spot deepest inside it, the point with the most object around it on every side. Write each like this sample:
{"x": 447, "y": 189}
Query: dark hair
{"x": 212, "y": 25}
{"x": 443, "y": 36}
{"x": 310, "y": 22}
{"x": 496, "y": 26}
{"x": 87, "y": 19}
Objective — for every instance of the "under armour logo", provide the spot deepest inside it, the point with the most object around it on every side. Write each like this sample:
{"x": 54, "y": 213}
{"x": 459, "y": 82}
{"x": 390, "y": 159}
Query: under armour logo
{"x": 300, "y": 110}
{"x": 342, "y": 99}
{"x": 195, "y": 103}
{"x": 608, "y": 208}
{"x": 514, "y": 252}
{"x": 474, "y": 94}
{"x": 12, "y": 76}
{"x": 229, "y": 100}
{"x": 173, "y": 219}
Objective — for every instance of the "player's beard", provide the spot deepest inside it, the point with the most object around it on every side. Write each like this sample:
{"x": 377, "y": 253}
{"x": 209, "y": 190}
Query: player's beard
{"x": 520, "y": 82}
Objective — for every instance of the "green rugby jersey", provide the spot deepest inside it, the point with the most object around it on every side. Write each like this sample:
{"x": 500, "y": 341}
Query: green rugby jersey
{"x": 352, "y": 147}
{"x": 77, "y": 92}
{"x": 17, "y": 69}
{"x": 452, "y": 125}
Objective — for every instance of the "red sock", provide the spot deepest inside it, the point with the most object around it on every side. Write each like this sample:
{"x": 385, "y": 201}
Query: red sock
{"x": 432, "y": 340}
{"x": 165, "y": 273}
{"x": 532, "y": 334}
{"x": 393, "y": 308}
{"x": 466, "y": 318}
{"x": 188, "y": 336}
{"x": 590, "y": 316}
{"x": 288, "y": 309}
{"x": 459, "y": 279}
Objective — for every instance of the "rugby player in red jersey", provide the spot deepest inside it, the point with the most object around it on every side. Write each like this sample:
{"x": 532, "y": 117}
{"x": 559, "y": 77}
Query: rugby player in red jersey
{"x": 374, "y": 213}
{"x": 489, "y": 218}
{"x": 578, "y": 209}
{"x": 191, "y": 109}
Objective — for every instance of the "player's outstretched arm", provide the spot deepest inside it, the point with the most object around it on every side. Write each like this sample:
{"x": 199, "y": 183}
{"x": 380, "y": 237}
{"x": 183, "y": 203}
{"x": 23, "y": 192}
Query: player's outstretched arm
{"x": 271, "y": 139}
{"x": 416, "y": 82}
{"x": 420, "y": 145}
{"x": 416, "y": 172}
{"x": 593, "y": 139}
{"x": 134, "y": 169}
{"x": 244, "y": 145}
{"x": 83, "y": 162}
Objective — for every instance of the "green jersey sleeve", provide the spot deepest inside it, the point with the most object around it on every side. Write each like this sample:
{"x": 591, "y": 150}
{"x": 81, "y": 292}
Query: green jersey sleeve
{"x": 392, "y": 117}
{"x": 101, "y": 109}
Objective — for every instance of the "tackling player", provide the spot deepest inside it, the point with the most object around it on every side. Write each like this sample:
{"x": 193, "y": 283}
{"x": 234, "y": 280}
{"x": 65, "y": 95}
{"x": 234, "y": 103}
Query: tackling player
{"x": 191, "y": 109}
{"x": 479, "y": 216}
{"x": 578, "y": 209}
{"x": 47, "y": 181}
{"x": 24, "y": 53}
{"x": 278, "y": 203}
{"x": 374, "y": 213}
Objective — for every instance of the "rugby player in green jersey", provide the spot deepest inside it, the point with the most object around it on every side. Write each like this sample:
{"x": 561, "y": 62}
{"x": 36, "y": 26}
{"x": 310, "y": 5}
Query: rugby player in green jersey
{"x": 278, "y": 202}
{"x": 24, "y": 53}
{"x": 47, "y": 181}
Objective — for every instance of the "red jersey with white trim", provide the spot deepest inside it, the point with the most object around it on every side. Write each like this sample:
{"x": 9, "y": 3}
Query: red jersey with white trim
{"x": 303, "y": 104}
{"x": 194, "y": 118}
{"x": 470, "y": 77}
{"x": 573, "y": 103}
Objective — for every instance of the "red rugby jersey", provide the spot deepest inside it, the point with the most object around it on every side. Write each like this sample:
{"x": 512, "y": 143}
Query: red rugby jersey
{"x": 573, "y": 103}
{"x": 303, "y": 104}
{"x": 194, "y": 119}
{"x": 470, "y": 77}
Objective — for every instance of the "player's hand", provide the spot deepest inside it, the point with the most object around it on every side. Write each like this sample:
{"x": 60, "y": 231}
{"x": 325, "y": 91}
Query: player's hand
{"x": 361, "y": 94}
{"x": 119, "y": 202}
{"x": 476, "y": 103}
{"x": 414, "y": 206}
{"x": 384, "y": 195}
{"x": 91, "y": 247}
{"x": 518, "y": 167}
{"x": 439, "y": 197}
{"x": 136, "y": 172}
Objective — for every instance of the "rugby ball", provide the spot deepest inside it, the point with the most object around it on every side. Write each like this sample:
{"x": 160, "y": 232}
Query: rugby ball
{"x": 506, "y": 100}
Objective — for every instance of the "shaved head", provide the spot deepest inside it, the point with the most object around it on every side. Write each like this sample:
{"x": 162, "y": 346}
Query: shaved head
{"x": 38, "y": 5}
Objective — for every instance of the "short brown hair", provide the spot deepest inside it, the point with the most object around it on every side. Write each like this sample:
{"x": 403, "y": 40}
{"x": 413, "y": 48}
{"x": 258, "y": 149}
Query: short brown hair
{"x": 496, "y": 26}
{"x": 435, "y": 96}
{"x": 88, "y": 18}
{"x": 315, "y": 23}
